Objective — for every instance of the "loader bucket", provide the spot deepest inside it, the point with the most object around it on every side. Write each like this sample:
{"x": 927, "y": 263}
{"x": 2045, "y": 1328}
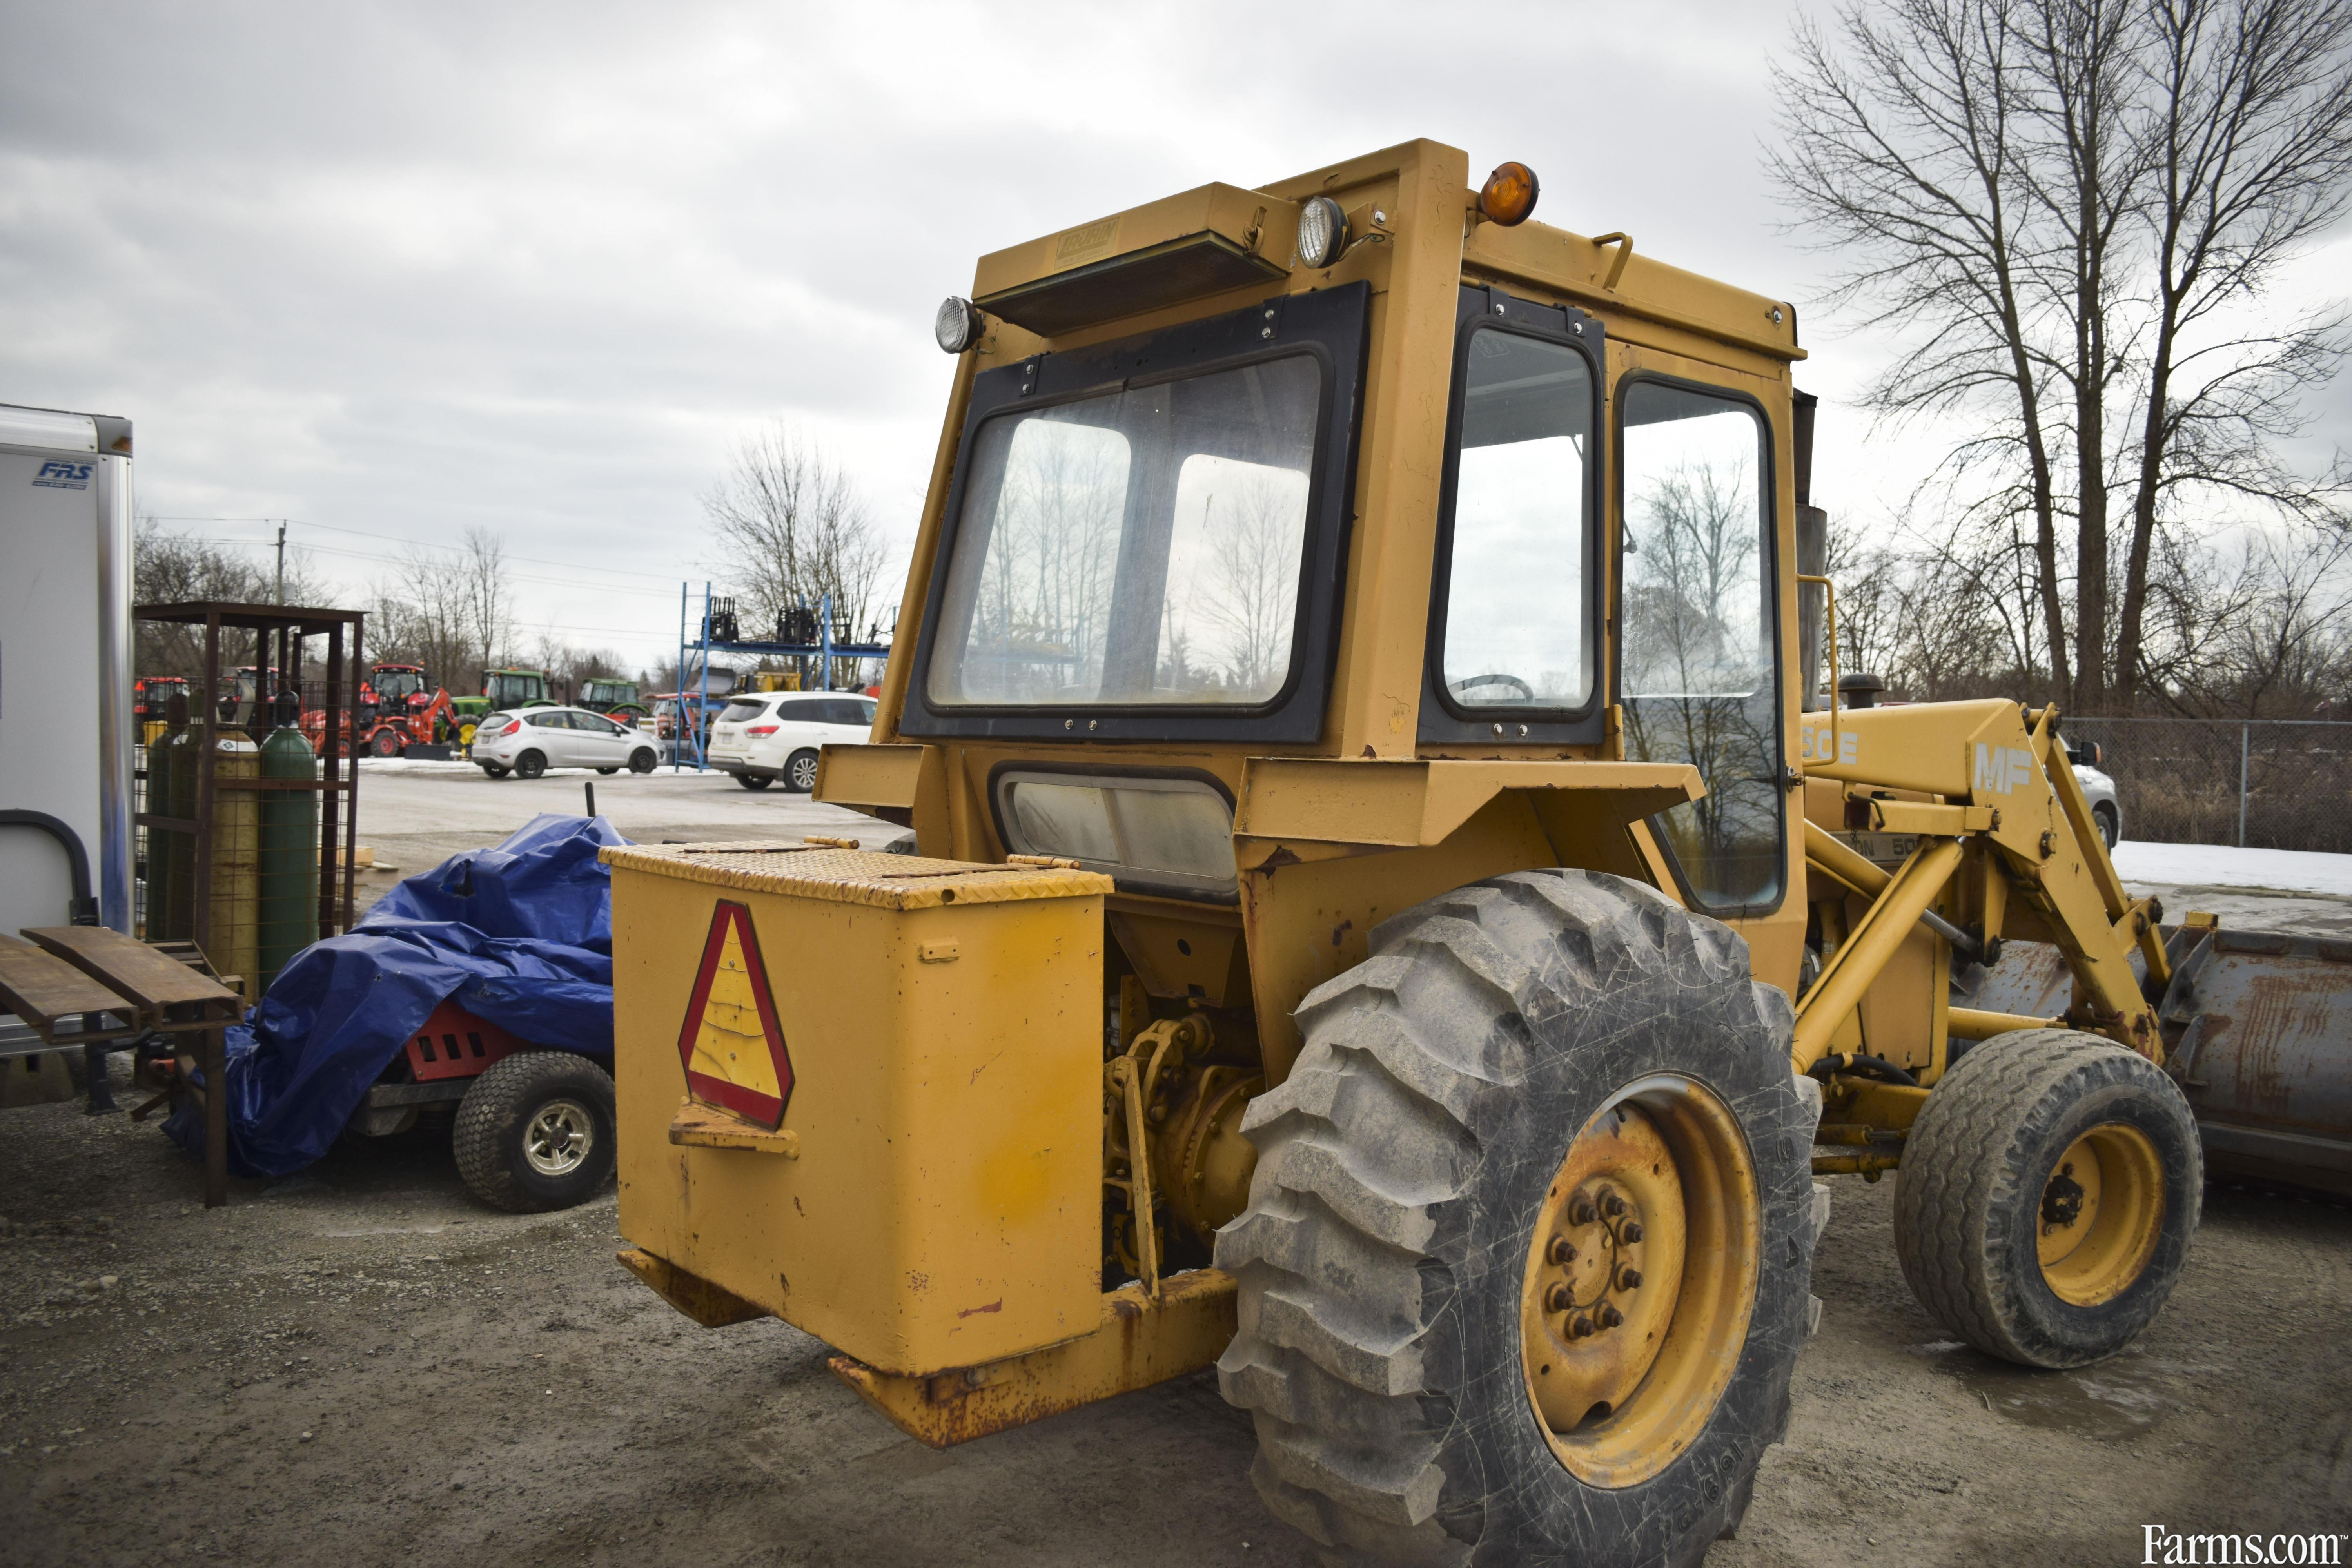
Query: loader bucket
{"x": 2258, "y": 1034}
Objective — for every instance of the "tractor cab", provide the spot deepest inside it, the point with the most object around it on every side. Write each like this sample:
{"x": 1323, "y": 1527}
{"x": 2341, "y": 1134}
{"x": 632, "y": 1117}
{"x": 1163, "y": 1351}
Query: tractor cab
{"x": 615, "y": 699}
{"x": 511, "y": 689}
{"x": 399, "y": 687}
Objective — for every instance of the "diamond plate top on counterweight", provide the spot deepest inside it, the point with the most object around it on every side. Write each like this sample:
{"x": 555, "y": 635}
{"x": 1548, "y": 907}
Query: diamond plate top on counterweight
{"x": 853, "y": 876}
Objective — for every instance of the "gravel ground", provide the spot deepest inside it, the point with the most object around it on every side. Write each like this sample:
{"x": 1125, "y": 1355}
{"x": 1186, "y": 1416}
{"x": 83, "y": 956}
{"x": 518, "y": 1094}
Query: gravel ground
{"x": 361, "y": 1364}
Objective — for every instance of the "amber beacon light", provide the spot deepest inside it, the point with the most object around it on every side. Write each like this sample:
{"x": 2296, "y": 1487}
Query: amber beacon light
{"x": 1508, "y": 196}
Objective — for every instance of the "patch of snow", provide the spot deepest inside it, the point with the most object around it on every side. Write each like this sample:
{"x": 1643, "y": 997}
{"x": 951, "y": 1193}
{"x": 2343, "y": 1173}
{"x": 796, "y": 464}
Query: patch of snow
{"x": 2219, "y": 865}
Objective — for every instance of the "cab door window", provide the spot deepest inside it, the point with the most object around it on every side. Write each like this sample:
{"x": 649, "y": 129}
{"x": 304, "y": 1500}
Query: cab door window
{"x": 1699, "y": 677}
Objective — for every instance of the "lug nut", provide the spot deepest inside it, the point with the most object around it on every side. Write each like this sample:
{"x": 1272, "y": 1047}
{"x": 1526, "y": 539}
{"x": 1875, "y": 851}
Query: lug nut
{"x": 1559, "y": 1251}
{"x": 1580, "y": 1327}
{"x": 1581, "y": 1212}
{"x": 1631, "y": 1233}
{"x": 1629, "y": 1279}
{"x": 1558, "y": 1300}
{"x": 1612, "y": 1206}
{"x": 1611, "y": 1317}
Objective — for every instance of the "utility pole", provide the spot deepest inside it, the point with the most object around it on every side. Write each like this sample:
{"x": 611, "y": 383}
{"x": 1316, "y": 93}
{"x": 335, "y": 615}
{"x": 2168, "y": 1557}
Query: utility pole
{"x": 281, "y": 562}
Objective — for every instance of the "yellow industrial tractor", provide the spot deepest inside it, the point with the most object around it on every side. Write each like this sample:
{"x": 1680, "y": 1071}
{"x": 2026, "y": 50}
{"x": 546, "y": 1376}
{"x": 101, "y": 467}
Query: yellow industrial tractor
{"x": 1389, "y": 915}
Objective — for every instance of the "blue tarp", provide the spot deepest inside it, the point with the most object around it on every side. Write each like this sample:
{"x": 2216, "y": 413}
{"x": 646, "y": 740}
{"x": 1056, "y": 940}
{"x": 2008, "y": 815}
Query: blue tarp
{"x": 521, "y": 935}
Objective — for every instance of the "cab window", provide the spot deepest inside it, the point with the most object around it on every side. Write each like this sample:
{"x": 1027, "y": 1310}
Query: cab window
{"x": 1699, "y": 668}
{"x": 1515, "y": 606}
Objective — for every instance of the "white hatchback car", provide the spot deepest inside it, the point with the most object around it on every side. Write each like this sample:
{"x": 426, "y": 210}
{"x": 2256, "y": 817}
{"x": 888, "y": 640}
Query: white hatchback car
{"x": 529, "y": 740}
{"x": 762, "y": 736}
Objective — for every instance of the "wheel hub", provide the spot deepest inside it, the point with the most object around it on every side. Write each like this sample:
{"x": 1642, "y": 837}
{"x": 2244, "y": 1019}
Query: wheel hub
{"x": 557, "y": 1142}
{"x": 1607, "y": 1271}
{"x": 2102, "y": 1209}
{"x": 1640, "y": 1280}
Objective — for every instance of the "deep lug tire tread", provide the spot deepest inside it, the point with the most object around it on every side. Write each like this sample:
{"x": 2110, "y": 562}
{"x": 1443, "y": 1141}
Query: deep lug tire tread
{"x": 1363, "y": 1248}
{"x": 1975, "y": 1156}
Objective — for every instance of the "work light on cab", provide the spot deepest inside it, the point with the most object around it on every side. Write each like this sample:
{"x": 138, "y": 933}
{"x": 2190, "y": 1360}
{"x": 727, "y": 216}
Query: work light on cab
{"x": 1508, "y": 196}
{"x": 1322, "y": 232}
{"x": 959, "y": 324}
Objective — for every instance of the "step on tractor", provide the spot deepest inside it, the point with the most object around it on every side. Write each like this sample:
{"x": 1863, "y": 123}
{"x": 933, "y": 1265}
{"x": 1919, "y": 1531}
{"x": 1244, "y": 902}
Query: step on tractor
{"x": 1389, "y": 917}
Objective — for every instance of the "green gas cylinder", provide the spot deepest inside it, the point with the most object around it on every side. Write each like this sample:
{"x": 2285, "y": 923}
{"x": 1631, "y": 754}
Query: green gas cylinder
{"x": 171, "y": 791}
{"x": 289, "y": 852}
{"x": 158, "y": 861}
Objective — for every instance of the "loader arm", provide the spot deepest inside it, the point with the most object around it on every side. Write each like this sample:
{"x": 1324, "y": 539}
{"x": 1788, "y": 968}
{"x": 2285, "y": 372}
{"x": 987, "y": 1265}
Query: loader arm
{"x": 2001, "y": 834}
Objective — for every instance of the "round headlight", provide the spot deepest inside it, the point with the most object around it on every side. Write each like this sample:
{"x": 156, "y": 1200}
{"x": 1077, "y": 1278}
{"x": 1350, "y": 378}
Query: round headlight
{"x": 1322, "y": 232}
{"x": 959, "y": 324}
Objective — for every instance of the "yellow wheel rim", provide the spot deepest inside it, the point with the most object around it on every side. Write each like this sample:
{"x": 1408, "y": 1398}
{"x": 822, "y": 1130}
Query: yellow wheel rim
{"x": 465, "y": 734}
{"x": 2102, "y": 1209}
{"x": 1639, "y": 1281}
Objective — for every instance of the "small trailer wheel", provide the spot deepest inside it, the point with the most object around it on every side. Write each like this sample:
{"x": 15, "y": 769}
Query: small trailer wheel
{"x": 2047, "y": 1196}
{"x": 535, "y": 1132}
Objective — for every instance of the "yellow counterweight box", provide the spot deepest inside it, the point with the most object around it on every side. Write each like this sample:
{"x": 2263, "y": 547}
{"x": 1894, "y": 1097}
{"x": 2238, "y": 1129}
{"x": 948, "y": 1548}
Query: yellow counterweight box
{"x": 863, "y": 1091}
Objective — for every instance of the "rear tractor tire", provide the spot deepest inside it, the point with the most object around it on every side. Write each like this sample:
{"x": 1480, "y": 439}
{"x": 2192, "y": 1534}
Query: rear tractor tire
{"x": 535, "y": 1132}
{"x": 1524, "y": 1265}
{"x": 2047, "y": 1196}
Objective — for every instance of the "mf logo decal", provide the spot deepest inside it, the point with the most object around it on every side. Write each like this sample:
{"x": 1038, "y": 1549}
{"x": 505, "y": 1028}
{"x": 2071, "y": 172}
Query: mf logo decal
{"x": 2000, "y": 769}
{"x": 1813, "y": 745}
{"x": 732, "y": 1047}
{"x": 59, "y": 475}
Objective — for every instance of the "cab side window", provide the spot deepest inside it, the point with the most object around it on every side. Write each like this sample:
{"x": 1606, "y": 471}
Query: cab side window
{"x": 1699, "y": 679}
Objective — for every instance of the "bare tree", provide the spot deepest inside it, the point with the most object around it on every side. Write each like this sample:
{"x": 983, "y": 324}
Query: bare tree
{"x": 2067, "y": 210}
{"x": 1901, "y": 137}
{"x": 794, "y": 532}
{"x": 171, "y": 567}
{"x": 2249, "y": 144}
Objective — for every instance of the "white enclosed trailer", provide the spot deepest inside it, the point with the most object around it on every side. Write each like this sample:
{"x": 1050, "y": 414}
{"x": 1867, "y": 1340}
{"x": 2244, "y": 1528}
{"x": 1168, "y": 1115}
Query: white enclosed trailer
{"x": 65, "y": 667}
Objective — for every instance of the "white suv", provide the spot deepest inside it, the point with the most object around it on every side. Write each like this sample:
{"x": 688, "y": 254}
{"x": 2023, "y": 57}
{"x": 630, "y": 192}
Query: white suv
{"x": 762, "y": 736}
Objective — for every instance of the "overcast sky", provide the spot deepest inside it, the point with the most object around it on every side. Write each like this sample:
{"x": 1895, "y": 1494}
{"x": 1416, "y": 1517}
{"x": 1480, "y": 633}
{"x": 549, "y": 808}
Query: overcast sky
{"x": 392, "y": 270}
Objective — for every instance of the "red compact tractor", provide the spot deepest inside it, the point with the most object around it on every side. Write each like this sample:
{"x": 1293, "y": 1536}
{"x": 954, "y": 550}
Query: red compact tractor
{"x": 401, "y": 714}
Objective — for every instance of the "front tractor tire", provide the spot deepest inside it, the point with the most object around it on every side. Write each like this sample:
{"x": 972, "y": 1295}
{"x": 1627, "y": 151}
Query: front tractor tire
{"x": 2047, "y": 1196}
{"x": 1525, "y": 1266}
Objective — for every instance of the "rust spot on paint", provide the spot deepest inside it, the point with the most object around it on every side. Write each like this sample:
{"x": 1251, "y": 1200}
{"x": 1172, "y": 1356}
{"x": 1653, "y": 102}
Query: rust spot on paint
{"x": 1342, "y": 929}
{"x": 917, "y": 1280}
{"x": 995, "y": 1306}
{"x": 796, "y": 1207}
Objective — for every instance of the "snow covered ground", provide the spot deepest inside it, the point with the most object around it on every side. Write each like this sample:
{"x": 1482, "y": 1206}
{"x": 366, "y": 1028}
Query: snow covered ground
{"x": 2215, "y": 866}
{"x": 2288, "y": 891}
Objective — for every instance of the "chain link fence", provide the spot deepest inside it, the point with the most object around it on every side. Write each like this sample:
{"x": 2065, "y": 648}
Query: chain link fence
{"x": 2266, "y": 784}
